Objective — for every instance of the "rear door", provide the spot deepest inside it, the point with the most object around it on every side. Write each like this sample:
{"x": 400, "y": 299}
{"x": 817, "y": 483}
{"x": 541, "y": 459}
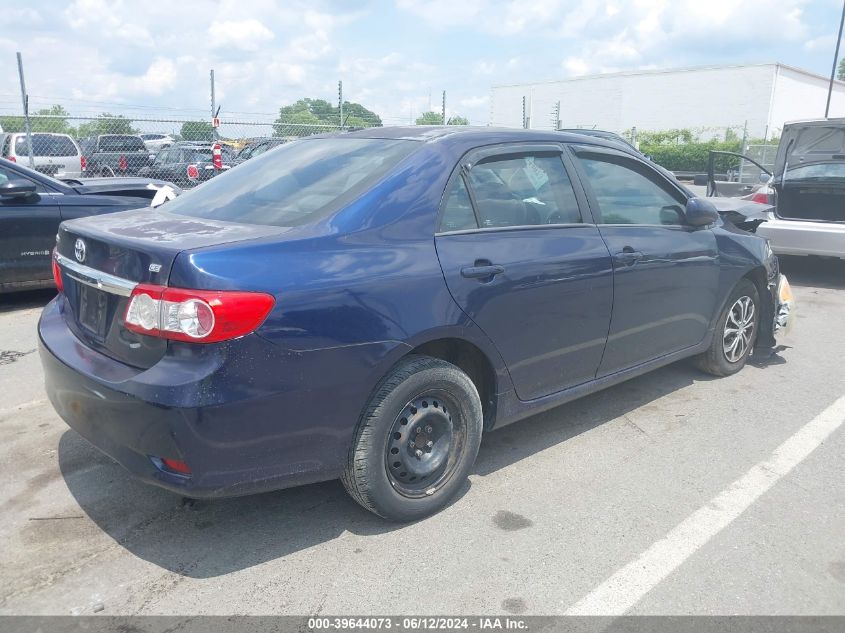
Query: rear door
{"x": 666, "y": 273}
{"x": 27, "y": 233}
{"x": 522, "y": 257}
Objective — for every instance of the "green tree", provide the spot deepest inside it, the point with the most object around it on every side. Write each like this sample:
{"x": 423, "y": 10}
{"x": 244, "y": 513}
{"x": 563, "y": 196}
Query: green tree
{"x": 196, "y": 131}
{"x": 294, "y": 118}
{"x": 106, "y": 123}
{"x": 430, "y": 118}
{"x": 39, "y": 121}
{"x": 457, "y": 119}
{"x": 840, "y": 74}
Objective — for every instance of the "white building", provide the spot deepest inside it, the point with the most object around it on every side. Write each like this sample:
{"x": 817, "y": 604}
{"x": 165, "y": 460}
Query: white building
{"x": 707, "y": 100}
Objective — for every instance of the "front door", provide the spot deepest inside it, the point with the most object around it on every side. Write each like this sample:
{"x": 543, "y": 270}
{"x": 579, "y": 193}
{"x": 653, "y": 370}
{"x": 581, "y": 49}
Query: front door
{"x": 28, "y": 228}
{"x": 524, "y": 262}
{"x": 666, "y": 273}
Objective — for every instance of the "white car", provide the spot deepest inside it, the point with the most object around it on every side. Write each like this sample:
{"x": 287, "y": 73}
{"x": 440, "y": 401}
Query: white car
{"x": 156, "y": 142}
{"x": 56, "y": 155}
{"x": 806, "y": 190}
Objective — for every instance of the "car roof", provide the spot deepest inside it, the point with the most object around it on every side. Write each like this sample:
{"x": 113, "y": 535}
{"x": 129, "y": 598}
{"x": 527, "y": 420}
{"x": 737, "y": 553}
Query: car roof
{"x": 476, "y": 134}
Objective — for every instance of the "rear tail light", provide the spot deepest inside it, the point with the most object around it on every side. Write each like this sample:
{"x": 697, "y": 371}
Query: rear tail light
{"x": 176, "y": 465}
{"x": 197, "y": 316}
{"x": 122, "y": 164}
{"x": 193, "y": 172}
{"x": 217, "y": 156}
{"x": 13, "y": 159}
{"x": 762, "y": 195}
{"x": 57, "y": 274}
{"x": 82, "y": 163}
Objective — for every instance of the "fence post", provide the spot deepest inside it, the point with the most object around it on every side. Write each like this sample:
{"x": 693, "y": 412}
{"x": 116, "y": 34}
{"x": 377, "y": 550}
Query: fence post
{"x": 213, "y": 106}
{"x": 25, "y": 102}
{"x": 443, "y": 108}
{"x": 340, "y": 102}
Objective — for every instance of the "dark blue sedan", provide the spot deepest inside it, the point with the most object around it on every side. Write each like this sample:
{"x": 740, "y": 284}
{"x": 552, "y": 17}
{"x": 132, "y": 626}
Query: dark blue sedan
{"x": 367, "y": 305}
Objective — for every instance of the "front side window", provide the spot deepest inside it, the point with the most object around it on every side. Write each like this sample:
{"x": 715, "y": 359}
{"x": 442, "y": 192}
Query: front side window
{"x": 524, "y": 190}
{"x": 627, "y": 195}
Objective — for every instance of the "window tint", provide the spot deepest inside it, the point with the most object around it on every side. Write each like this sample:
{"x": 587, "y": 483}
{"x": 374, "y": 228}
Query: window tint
{"x": 46, "y": 145}
{"x": 627, "y": 195}
{"x": 163, "y": 156}
{"x": 295, "y": 185}
{"x": 457, "y": 212}
{"x": 527, "y": 190}
{"x": 119, "y": 143}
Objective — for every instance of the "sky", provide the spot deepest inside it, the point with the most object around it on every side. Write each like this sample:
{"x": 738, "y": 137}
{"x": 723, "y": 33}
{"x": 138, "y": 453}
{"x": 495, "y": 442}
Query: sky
{"x": 394, "y": 57}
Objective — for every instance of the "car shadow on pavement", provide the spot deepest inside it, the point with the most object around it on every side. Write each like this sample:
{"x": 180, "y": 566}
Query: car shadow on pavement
{"x": 12, "y": 301}
{"x": 203, "y": 539}
{"x": 814, "y": 272}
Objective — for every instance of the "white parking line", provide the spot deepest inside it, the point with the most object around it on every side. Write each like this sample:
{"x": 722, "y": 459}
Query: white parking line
{"x": 626, "y": 587}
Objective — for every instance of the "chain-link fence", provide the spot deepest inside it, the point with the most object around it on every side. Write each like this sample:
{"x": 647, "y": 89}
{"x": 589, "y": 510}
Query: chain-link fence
{"x": 73, "y": 147}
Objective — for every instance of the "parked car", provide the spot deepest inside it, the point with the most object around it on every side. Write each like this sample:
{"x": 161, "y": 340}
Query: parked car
{"x": 157, "y": 142}
{"x": 53, "y": 154}
{"x": 256, "y": 148}
{"x": 114, "y": 155}
{"x": 366, "y": 305}
{"x": 806, "y": 189}
{"x": 32, "y": 205}
{"x": 188, "y": 163}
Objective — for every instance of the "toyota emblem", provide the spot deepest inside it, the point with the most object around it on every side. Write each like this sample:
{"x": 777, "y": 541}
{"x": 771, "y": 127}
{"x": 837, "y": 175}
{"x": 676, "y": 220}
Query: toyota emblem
{"x": 79, "y": 250}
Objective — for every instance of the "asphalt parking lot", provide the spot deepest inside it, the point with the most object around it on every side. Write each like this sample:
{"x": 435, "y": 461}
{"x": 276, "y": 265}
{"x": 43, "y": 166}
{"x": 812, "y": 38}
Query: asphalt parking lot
{"x": 639, "y": 499}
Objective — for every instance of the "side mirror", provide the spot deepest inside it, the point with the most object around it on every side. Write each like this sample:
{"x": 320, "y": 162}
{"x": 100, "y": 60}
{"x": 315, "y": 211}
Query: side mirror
{"x": 700, "y": 212}
{"x": 17, "y": 188}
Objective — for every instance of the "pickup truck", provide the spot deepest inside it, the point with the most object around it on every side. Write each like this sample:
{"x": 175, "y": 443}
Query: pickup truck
{"x": 114, "y": 155}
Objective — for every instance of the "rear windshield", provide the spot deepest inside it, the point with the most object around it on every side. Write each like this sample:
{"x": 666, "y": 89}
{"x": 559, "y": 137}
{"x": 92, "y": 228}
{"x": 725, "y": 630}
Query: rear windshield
{"x": 819, "y": 171}
{"x": 296, "y": 184}
{"x": 121, "y": 144}
{"x": 46, "y": 145}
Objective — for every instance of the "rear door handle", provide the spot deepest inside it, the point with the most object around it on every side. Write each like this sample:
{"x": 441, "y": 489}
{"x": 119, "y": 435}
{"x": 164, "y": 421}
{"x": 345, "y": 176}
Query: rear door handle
{"x": 628, "y": 256}
{"x": 482, "y": 272}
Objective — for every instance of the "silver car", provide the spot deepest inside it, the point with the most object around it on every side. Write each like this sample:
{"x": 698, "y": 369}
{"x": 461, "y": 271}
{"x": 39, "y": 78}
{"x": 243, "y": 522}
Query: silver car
{"x": 56, "y": 155}
{"x": 806, "y": 188}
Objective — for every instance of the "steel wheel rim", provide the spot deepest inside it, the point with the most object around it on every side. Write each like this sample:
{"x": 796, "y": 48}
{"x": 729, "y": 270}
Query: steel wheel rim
{"x": 424, "y": 445}
{"x": 739, "y": 329}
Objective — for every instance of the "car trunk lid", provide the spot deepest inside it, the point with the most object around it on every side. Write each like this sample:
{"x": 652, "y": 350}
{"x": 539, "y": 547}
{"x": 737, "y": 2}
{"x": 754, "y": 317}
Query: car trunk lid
{"x": 102, "y": 258}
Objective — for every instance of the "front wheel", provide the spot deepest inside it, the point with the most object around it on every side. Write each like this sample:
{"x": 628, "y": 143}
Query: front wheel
{"x": 416, "y": 441}
{"x": 735, "y": 332}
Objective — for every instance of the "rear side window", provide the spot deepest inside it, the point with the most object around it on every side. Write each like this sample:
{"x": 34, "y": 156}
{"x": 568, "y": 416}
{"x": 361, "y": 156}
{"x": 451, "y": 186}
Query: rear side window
{"x": 115, "y": 143}
{"x": 46, "y": 145}
{"x": 296, "y": 185}
{"x": 629, "y": 194}
{"x": 523, "y": 191}
{"x": 457, "y": 212}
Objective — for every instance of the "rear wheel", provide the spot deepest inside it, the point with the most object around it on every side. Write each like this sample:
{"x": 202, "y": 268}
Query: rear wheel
{"x": 735, "y": 332}
{"x": 416, "y": 440}
{"x": 106, "y": 172}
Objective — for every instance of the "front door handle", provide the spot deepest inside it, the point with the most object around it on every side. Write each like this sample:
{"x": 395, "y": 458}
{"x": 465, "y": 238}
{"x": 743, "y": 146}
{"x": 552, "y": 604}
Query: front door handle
{"x": 628, "y": 256}
{"x": 482, "y": 272}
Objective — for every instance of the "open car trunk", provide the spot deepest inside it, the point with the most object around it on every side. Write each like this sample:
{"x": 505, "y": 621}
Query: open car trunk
{"x": 811, "y": 201}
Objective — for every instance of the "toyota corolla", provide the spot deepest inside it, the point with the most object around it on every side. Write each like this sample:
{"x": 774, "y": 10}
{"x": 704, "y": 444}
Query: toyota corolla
{"x": 366, "y": 306}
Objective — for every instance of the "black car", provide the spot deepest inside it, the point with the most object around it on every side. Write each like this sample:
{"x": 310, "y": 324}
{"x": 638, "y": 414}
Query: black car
{"x": 256, "y": 148}
{"x": 114, "y": 155}
{"x": 32, "y": 205}
{"x": 188, "y": 164}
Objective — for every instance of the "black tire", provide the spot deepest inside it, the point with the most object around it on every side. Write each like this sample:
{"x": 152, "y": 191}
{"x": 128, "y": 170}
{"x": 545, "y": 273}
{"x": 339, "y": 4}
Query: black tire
{"x": 719, "y": 360}
{"x": 424, "y": 419}
{"x": 106, "y": 172}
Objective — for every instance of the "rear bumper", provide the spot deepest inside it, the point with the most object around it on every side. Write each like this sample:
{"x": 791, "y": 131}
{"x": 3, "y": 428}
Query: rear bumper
{"x": 796, "y": 237}
{"x": 246, "y": 417}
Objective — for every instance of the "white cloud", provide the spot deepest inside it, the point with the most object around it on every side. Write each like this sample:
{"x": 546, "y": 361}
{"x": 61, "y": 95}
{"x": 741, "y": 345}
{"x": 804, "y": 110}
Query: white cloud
{"x": 245, "y": 35}
{"x": 21, "y": 16}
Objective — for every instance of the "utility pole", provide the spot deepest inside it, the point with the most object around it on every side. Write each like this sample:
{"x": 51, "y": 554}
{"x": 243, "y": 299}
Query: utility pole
{"x": 25, "y": 102}
{"x": 443, "y": 108}
{"x": 835, "y": 61}
{"x": 213, "y": 106}
{"x": 340, "y": 102}
{"x": 524, "y": 120}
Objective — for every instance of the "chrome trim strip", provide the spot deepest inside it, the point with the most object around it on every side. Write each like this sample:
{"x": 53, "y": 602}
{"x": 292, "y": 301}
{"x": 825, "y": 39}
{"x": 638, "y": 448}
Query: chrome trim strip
{"x": 96, "y": 278}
